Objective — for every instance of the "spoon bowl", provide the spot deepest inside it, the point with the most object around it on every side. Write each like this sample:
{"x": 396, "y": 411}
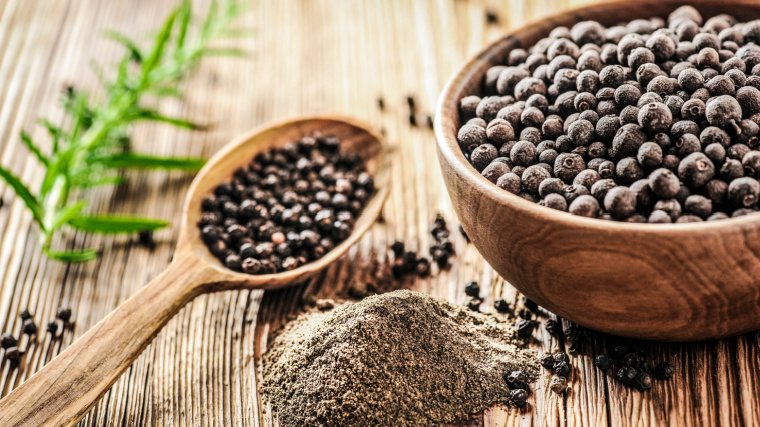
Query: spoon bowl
{"x": 354, "y": 138}
{"x": 63, "y": 391}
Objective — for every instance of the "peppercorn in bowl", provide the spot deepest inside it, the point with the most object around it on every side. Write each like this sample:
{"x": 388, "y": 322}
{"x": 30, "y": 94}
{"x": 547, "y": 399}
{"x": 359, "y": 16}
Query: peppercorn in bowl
{"x": 651, "y": 125}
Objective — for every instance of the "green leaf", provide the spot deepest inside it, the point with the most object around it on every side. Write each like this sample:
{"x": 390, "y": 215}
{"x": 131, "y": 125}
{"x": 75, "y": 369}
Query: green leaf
{"x": 67, "y": 212}
{"x": 34, "y": 148}
{"x": 96, "y": 182}
{"x": 22, "y": 191}
{"x": 134, "y": 50}
{"x": 156, "y": 116}
{"x": 112, "y": 224}
{"x": 210, "y": 18}
{"x": 184, "y": 13}
{"x": 167, "y": 91}
{"x": 222, "y": 51}
{"x": 238, "y": 32}
{"x": 158, "y": 48}
{"x": 56, "y": 133}
{"x": 72, "y": 256}
{"x": 143, "y": 161}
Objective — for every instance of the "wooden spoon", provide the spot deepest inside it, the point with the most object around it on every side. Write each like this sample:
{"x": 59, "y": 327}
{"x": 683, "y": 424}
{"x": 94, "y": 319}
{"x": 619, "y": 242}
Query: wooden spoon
{"x": 62, "y": 392}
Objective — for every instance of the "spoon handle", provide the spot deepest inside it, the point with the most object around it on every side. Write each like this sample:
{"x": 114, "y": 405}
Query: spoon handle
{"x": 62, "y": 392}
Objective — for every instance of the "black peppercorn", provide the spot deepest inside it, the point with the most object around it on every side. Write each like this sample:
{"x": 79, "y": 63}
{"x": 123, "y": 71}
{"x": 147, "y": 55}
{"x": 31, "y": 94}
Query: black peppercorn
{"x": 52, "y": 327}
{"x": 474, "y": 304}
{"x": 472, "y": 289}
{"x": 64, "y": 314}
{"x": 25, "y": 315}
{"x": 517, "y": 380}
{"x": 600, "y": 188}
{"x": 628, "y": 171}
{"x": 603, "y": 362}
{"x": 643, "y": 381}
{"x": 620, "y": 202}
{"x": 627, "y": 141}
{"x": 743, "y": 192}
{"x": 632, "y": 360}
{"x": 510, "y": 182}
{"x": 524, "y": 328}
{"x": 29, "y": 327}
{"x": 664, "y": 371}
{"x": 519, "y": 397}
{"x": 562, "y": 369}
{"x": 553, "y": 327}
{"x": 558, "y": 384}
{"x": 723, "y": 111}
{"x": 690, "y": 79}
{"x": 670, "y": 206}
{"x": 547, "y": 361}
{"x": 567, "y": 166}
{"x": 501, "y": 305}
{"x": 523, "y": 154}
{"x": 695, "y": 170}
{"x": 7, "y": 341}
{"x": 13, "y": 355}
{"x": 554, "y": 201}
{"x": 585, "y": 205}
{"x": 650, "y": 155}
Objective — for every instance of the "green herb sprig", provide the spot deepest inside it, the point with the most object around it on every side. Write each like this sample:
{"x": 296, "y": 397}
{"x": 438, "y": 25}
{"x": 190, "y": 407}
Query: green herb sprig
{"x": 93, "y": 147}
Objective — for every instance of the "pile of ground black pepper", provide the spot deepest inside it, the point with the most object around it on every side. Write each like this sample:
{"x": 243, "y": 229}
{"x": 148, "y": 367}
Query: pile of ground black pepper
{"x": 397, "y": 359}
{"x": 647, "y": 121}
{"x": 289, "y": 206}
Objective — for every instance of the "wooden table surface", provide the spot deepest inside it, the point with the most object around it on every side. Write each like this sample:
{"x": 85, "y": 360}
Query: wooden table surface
{"x": 309, "y": 56}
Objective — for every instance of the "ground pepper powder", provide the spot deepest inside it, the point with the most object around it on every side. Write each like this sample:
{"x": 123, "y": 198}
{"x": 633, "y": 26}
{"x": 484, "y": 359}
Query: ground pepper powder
{"x": 396, "y": 359}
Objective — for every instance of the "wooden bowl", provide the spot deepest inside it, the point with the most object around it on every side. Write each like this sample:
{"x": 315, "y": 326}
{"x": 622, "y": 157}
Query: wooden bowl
{"x": 668, "y": 282}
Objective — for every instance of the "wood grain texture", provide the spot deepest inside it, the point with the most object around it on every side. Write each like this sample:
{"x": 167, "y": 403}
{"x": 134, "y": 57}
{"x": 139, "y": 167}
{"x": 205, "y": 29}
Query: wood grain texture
{"x": 314, "y": 56}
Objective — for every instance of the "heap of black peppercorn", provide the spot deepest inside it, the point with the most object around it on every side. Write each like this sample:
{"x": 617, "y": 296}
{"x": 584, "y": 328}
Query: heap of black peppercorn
{"x": 654, "y": 121}
{"x": 289, "y": 206}
{"x": 408, "y": 262}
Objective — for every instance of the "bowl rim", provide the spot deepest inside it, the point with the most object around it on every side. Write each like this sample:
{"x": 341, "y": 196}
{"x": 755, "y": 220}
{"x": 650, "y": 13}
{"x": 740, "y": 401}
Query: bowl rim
{"x": 448, "y": 147}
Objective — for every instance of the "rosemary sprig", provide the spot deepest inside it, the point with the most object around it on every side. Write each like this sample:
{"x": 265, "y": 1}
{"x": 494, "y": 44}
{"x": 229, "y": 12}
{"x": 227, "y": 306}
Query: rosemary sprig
{"x": 93, "y": 147}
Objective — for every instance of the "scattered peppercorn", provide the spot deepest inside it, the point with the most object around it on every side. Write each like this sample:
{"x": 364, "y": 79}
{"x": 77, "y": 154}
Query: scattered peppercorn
{"x": 603, "y": 362}
{"x": 8, "y": 341}
{"x": 25, "y": 315}
{"x": 558, "y": 384}
{"x": 665, "y": 110}
{"x": 664, "y": 371}
{"x": 519, "y": 397}
{"x": 492, "y": 16}
{"x": 13, "y": 355}
{"x": 525, "y": 328}
{"x": 553, "y": 327}
{"x": 64, "y": 314}
{"x": 145, "y": 238}
{"x": 501, "y": 305}
{"x": 29, "y": 327}
{"x": 52, "y": 327}
{"x": 562, "y": 368}
{"x": 530, "y": 304}
{"x": 442, "y": 249}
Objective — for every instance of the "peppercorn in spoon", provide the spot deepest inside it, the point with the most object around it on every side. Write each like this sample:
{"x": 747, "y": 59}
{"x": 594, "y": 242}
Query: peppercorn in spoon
{"x": 63, "y": 391}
